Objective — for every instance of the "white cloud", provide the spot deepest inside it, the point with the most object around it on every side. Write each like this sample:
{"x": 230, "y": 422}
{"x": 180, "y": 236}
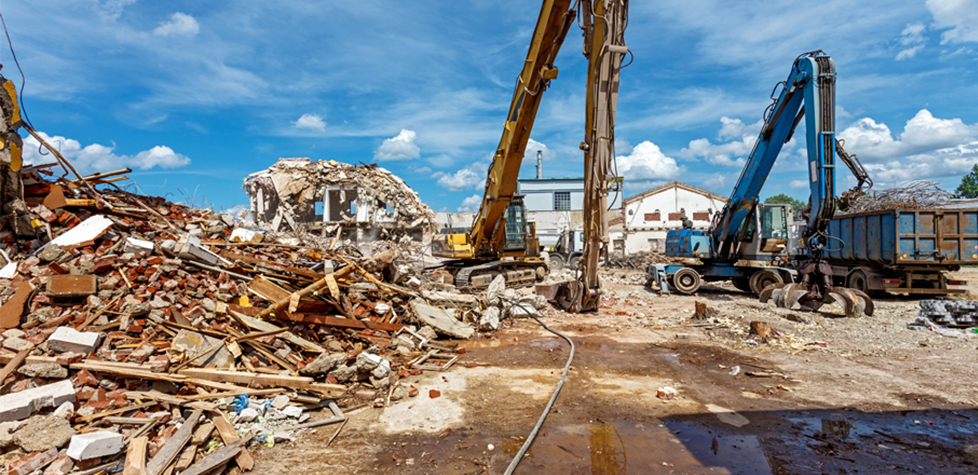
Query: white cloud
{"x": 798, "y": 184}
{"x": 647, "y": 163}
{"x": 530, "y": 152}
{"x": 311, "y": 122}
{"x": 959, "y": 17}
{"x": 401, "y": 147}
{"x": 715, "y": 182}
{"x": 423, "y": 170}
{"x": 922, "y": 134}
{"x": 927, "y": 148}
{"x": 179, "y": 24}
{"x": 467, "y": 178}
{"x": 912, "y": 37}
{"x": 737, "y": 140}
{"x": 471, "y": 203}
{"x": 96, "y": 157}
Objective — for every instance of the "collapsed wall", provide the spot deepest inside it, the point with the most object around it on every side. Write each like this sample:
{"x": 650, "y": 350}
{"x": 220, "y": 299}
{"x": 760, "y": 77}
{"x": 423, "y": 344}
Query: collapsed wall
{"x": 356, "y": 201}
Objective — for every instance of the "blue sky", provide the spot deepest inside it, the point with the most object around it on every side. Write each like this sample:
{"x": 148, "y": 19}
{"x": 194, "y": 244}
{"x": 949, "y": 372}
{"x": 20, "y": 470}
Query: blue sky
{"x": 194, "y": 96}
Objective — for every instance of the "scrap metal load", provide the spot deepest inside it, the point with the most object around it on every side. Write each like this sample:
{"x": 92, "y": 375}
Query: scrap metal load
{"x": 299, "y": 194}
{"x": 915, "y": 195}
{"x": 123, "y": 316}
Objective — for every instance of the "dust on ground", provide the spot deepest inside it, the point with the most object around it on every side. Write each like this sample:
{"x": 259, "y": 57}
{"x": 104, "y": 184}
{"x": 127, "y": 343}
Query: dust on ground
{"x": 824, "y": 394}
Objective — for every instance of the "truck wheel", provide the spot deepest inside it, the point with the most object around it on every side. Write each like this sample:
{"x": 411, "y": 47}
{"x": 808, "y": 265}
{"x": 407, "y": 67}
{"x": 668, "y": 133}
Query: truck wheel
{"x": 686, "y": 280}
{"x": 764, "y": 278}
{"x": 742, "y": 283}
{"x": 858, "y": 280}
{"x": 556, "y": 262}
{"x": 573, "y": 262}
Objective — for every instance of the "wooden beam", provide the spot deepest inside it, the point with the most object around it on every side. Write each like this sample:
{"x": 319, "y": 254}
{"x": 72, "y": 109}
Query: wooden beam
{"x": 14, "y": 363}
{"x": 114, "y": 412}
{"x": 216, "y": 459}
{"x": 165, "y": 456}
{"x": 136, "y": 457}
{"x": 340, "y": 322}
{"x": 230, "y": 436}
{"x": 241, "y": 377}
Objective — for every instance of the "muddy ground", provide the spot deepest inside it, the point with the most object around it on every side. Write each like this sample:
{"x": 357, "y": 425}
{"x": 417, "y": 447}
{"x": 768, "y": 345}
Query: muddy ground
{"x": 825, "y": 394}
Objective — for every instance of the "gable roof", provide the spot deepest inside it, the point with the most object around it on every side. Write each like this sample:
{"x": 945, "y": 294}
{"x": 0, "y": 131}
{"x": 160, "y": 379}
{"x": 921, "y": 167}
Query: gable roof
{"x": 671, "y": 185}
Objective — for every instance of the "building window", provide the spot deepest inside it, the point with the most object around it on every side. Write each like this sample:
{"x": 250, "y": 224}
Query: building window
{"x": 652, "y": 217}
{"x": 562, "y": 201}
{"x": 701, "y": 216}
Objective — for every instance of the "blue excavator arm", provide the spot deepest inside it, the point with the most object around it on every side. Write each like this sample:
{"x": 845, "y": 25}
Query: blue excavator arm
{"x": 808, "y": 93}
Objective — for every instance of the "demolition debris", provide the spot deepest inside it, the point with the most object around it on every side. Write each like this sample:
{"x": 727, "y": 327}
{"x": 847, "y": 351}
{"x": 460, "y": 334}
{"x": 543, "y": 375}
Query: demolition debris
{"x": 148, "y": 334}
{"x": 357, "y": 202}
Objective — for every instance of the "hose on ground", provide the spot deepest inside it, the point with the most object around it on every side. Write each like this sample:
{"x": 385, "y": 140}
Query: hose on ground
{"x": 543, "y": 417}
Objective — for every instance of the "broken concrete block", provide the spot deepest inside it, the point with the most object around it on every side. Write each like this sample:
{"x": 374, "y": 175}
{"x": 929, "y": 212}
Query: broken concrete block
{"x": 95, "y": 444}
{"x": 136, "y": 246}
{"x": 489, "y": 321}
{"x": 17, "y": 344}
{"x": 50, "y": 253}
{"x": 43, "y": 370}
{"x": 193, "y": 343}
{"x": 68, "y": 339}
{"x": 323, "y": 363}
{"x": 292, "y": 411}
{"x": 441, "y": 320}
{"x": 42, "y": 433}
{"x": 20, "y": 405}
{"x": 7, "y": 433}
{"x": 248, "y": 414}
{"x": 190, "y": 248}
{"x": 280, "y": 401}
{"x": 495, "y": 290}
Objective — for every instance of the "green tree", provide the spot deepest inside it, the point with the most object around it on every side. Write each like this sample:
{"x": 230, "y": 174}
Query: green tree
{"x": 783, "y": 199}
{"x": 969, "y": 184}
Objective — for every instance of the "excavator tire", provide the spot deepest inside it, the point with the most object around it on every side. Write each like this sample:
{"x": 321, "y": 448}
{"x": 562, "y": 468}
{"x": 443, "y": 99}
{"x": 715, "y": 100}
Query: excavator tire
{"x": 556, "y": 263}
{"x": 686, "y": 280}
{"x": 761, "y": 279}
{"x": 742, "y": 284}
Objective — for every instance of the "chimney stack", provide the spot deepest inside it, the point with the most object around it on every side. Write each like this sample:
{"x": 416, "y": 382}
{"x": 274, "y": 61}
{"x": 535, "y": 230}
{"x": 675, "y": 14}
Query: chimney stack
{"x": 539, "y": 164}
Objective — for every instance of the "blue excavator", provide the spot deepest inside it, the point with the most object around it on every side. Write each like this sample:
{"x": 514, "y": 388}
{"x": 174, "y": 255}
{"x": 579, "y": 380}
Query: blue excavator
{"x": 747, "y": 231}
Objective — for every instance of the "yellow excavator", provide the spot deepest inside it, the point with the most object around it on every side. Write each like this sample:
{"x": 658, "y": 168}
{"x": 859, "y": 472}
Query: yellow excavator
{"x": 501, "y": 241}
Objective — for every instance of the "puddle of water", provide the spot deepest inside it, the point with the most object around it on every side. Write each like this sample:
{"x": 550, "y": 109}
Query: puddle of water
{"x": 741, "y": 454}
{"x": 603, "y": 347}
{"x": 546, "y": 343}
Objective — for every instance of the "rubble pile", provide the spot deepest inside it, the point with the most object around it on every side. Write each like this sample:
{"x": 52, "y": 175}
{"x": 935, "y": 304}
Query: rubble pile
{"x": 640, "y": 261}
{"x": 915, "y": 195}
{"x": 136, "y": 330}
{"x": 285, "y": 195}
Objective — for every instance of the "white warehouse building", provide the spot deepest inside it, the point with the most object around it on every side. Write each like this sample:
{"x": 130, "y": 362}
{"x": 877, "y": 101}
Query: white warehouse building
{"x": 648, "y": 216}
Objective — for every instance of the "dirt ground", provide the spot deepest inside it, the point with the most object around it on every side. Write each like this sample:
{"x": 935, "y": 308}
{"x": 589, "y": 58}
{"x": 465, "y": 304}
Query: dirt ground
{"x": 825, "y": 394}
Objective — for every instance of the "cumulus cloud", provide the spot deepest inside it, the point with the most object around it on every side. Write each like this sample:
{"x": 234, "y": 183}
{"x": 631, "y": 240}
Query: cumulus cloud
{"x": 715, "y": 182}
{"x": 468, "y": 178}
{"x": 735, "y": 141}
{"x": 928, "y": 147}
{"x": 470, "y": 204}
{"x": 958, "y": 17}
{"x": 423, "y": 170}
{"x": 913, "y": 40}
{"x": 311, "y": 122}
{"x": 179, "y": 24}
{"x": 96, "y": 157}
{"x": 647, "y": 163}
{"x": 401, "y": 147}
{"x": 532, "y": 146}
{"x": 798, "y": 184}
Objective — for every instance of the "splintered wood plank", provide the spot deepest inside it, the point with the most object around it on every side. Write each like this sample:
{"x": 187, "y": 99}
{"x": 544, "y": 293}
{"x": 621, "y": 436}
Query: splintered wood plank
{"x": 229, "y": 436}
{"x": 14, "y": 364}
{"x": 215, "y": 459}
{"x": 136, "y": 457}
{"x": 165, "y": 456}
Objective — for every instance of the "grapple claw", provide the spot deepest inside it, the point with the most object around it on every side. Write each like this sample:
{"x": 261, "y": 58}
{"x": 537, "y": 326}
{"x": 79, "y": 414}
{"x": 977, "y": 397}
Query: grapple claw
{"x": 769, "y": 292}
{"x": 856, "y": 303}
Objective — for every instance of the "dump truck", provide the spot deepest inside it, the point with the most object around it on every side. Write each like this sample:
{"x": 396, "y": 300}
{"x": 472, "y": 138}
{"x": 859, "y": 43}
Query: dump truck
{"x": 902, "y": 251}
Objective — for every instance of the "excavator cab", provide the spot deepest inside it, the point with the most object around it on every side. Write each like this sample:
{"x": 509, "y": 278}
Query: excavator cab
{"x": 516, "y": 225}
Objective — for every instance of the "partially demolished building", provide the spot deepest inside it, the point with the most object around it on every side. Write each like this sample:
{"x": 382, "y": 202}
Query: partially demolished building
{"x": 356, "y": 202}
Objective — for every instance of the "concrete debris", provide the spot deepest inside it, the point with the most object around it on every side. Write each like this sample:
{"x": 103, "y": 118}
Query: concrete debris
{"x": 355, "y": 201}
{"x": 42, "y": 433}
{"x": 95, "y": 444}
{"x": 133, "y": 304}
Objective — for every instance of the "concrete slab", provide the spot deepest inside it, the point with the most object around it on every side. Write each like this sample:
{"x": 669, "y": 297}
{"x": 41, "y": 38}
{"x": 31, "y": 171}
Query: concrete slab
{"x": 95, "y": 444}
{"x": 68, "y": 339}
{"x": 21, "y": 405}
{"x": 441, "y": 320}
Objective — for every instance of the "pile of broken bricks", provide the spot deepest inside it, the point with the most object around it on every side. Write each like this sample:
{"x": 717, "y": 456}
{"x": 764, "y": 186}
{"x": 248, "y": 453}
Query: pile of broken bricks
{"x": 146, "y": 336}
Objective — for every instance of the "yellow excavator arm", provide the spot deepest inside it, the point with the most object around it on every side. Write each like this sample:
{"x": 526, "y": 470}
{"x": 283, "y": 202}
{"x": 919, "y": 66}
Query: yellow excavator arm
{"x": 488, "y": 233}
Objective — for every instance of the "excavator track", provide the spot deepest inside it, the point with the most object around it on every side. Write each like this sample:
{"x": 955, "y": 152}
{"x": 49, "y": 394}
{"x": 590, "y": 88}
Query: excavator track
{"x": 516, "y": 273}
